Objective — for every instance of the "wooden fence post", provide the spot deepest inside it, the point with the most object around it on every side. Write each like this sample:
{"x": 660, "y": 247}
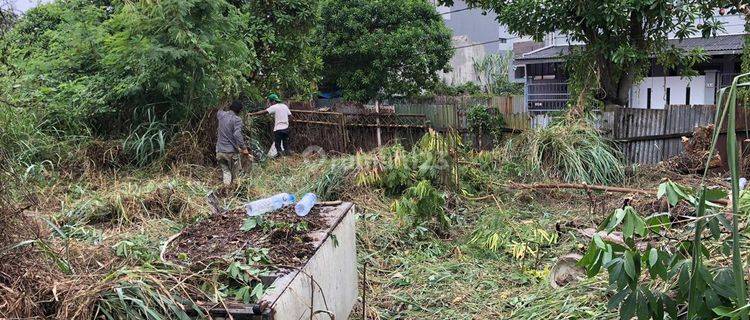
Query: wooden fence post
{"x": 343, "y": 132}
{"x": 664, "y": 131}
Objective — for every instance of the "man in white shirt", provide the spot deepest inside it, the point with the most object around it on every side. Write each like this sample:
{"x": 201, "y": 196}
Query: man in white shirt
{"x": 281, "y": 115}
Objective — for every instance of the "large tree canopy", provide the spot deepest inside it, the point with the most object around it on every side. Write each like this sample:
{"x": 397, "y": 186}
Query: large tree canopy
{"x": 382, "y": 47}
{"x": 281, "y": 33}
{"x": 108, "y": 64}
{"x": 621, "y": 37}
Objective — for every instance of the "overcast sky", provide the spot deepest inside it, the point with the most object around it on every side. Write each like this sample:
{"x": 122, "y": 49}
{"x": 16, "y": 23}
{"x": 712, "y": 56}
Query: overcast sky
{"x": 23, "y": 5}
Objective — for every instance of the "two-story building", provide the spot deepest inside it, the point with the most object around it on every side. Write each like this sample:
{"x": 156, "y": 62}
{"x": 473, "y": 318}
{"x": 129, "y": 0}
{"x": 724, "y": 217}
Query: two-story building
{"x": 545, "y": 77}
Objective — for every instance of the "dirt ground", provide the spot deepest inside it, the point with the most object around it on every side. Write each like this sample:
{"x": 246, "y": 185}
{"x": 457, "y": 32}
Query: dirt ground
{"x": 219, "y": 235}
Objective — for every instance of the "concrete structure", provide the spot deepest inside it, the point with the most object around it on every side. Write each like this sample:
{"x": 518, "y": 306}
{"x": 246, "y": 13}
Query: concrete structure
{"x": 324, "y": 287}
{"x": 546, "y": 80}
{"x": 462, "y": 62}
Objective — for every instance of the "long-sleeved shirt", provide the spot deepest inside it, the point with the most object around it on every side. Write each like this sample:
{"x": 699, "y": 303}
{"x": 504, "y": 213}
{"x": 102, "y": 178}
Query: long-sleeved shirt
{"x": 229, "y": 133}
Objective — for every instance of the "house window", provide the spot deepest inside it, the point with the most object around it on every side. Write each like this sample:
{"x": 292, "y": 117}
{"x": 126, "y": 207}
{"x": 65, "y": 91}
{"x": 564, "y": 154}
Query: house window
{"x": 687, "y": 96}
{"x": 648, "y": 98}
{"x": 520, "y": 72}
{"x": 669, "y": 93}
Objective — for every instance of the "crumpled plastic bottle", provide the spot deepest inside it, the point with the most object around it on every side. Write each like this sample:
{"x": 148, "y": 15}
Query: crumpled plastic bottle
{"x": 269, "y": 204}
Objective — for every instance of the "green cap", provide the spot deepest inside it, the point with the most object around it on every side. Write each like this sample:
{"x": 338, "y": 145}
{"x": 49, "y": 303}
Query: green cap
{"x": 274, "y": 97}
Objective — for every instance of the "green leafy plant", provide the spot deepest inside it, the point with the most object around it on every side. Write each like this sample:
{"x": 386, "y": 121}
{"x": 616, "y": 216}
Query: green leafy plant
{"x": 493, "y": 73}
{"x": 382, "y": 48}
{"x": 422, "y": 204}
{"x": 433, "y": 158}
{"x": 496, "y": 233}
{"x": 142, "y": 293}
{"x": 244, "y": 275}
{"x": 483, "y": 121}
{"x": 137, "y": 247}
{"x": 147, "y": 142}
{"x": 672, "y": 261}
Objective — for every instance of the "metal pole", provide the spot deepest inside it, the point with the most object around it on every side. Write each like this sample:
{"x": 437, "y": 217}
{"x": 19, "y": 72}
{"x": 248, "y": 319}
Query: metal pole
{"x": 377, "y": 122}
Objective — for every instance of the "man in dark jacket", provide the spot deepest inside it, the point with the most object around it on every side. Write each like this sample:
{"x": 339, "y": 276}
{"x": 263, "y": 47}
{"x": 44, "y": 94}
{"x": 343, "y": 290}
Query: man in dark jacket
{"x": 230, "y": 142}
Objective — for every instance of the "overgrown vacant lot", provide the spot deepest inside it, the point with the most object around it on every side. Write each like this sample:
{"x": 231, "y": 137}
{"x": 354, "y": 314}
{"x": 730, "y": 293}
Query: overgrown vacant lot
{"x": 485, "y": 253}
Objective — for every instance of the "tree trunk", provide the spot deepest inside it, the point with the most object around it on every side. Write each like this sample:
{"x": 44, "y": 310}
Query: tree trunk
{"x": 623, "y": 90}
{"x": 611, "y": 83}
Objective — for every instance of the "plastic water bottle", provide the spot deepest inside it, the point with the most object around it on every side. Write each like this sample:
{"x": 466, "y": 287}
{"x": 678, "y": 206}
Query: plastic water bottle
{"x": 302, "y": 208}
{"x": 285, "y": 198}
{"x": 269, "y": 204}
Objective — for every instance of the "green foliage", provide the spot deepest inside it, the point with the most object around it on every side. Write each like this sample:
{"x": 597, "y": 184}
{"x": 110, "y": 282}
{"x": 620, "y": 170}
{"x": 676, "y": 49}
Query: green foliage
{"x": 281, "y": 34}
{"x": 496, "y": 233}
{"x": 433, "y": 158}
{"x": 142, "y": 293}
{"x": 84, "y": 64}
{"x": 443, "y": 89}
{"x": 705, "y": 288}
{"x": 493, "y": 72}
{"x": 73, "y": 69}
{"x": 422, "y": 204}
{"x": 380, "y": 47}
{"x": 334, "y": 180}
{"x": 146, "y": 142}
{"x": 571, "y": 151}
{"x": 483, "y": 120}
{"x": 138, "y": 248}
{"x": 621, "y": 36}
{"x": 243, "y": 275}
{"x": 582, "y": 82}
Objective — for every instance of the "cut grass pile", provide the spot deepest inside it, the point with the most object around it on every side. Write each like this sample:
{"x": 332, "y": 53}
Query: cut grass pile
{"x": 569, "y": 151}
{"x": 113, "y": 223}
{"x": 418, "y": 277}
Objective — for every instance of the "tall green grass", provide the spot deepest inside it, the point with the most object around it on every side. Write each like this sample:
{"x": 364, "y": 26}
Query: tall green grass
{"x": 571, "y": 151}
{"x": 21, "y": 135}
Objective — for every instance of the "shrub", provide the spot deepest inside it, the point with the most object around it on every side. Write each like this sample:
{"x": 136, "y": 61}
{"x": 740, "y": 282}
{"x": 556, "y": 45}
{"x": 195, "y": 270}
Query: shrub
{"x": 422, "y": 204}
{"x": 571, "y": 151}
{"x": 483, "y": 121}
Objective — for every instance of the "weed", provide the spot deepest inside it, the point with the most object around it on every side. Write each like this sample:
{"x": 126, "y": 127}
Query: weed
{"x": 422, "y": 204}
{"x": 573, "y": 152}
{"x": 521, "y": 241}
{"x": 142, "y": 293}
{"x": 138, "y": 248}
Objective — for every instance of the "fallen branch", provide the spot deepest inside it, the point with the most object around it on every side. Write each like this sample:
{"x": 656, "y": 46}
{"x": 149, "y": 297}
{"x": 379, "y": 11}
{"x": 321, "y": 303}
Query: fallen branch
{"x": 328, "y": 203}
{"x": 582, "y": 186}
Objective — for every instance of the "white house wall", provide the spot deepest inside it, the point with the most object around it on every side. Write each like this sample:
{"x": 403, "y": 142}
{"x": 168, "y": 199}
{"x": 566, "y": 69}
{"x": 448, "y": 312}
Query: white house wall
{"x": 678, "y": 87}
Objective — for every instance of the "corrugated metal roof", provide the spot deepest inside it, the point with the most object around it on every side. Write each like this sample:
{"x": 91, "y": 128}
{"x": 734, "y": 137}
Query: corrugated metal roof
{"x": 713, "y": 45}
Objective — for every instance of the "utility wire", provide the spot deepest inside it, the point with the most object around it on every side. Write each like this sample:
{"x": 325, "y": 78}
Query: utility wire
{"x": 483, "y": 43}
{"x": 457, "y": 10}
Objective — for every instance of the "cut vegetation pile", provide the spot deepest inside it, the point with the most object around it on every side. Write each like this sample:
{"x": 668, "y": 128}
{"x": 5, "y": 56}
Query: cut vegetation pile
{"x": 286, "y": 236}
{"x": 696, "y": 154}
{"x": 568, "y": 151}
